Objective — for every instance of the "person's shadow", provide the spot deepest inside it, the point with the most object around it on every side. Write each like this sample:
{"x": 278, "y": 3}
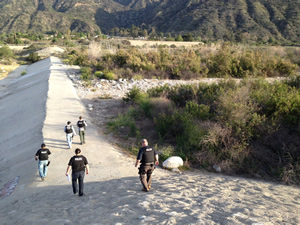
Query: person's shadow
{"x": 56, "y": 143}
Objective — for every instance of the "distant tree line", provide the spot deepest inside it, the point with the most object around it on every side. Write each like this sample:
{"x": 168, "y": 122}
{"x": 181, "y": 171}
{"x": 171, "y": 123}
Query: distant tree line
{"x": 142, "y": 32}
{"x": 54, "y": 36}
{"x": 151, "y": 33}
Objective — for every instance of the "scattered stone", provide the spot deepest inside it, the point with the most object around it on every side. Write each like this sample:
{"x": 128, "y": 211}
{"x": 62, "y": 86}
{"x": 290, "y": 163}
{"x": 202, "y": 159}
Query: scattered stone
{"x": 217, "y": 168}
{"x": 176, "y": 170}
{"x": 142, "y": 217}
{"x": 171, "y": 213}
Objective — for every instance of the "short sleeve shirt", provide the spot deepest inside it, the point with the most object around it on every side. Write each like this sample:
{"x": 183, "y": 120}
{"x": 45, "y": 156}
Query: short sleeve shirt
{"x": 78, "y": 163}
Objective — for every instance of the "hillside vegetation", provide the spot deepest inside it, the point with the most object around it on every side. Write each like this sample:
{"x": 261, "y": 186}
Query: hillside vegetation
{"x": 250, "y": 127}
{"x": 200, "y": 61}
{"x": 234, "y": 20}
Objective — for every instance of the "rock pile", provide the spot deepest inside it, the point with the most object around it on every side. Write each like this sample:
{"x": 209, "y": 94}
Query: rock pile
{"x": 117, "y": 89}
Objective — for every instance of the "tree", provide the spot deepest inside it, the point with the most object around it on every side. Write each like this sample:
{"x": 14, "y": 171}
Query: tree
{"x": 188, "y": 37}
{"x": 179, "y": 38}
{"x": 153, "y": 32}
{"x": 144, "y": 33}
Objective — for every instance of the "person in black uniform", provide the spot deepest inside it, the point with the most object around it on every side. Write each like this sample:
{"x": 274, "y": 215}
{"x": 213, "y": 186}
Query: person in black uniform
{"x": 79, "y": 165}
{"x": 42, "y": 155}
{"x": 81, "y": 124}
{"x": 147, "y": 156}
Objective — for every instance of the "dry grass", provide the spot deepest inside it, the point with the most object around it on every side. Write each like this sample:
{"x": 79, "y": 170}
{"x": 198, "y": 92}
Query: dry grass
{"x": 6, "y": 69}
{"x": 94, "y": 50}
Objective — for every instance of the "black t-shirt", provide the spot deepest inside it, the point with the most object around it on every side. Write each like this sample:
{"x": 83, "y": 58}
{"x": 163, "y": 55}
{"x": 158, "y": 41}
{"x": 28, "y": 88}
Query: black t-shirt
{"x": 78, "y": 163}
{"x": 43, "y": 153}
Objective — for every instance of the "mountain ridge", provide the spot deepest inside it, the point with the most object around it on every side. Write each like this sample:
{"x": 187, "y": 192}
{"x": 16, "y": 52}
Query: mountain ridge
{"x": 210, "y": 19}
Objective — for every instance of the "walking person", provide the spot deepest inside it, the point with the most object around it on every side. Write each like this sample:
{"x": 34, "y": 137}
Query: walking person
{"x": 147, "y": 156}
{"x": 81, "y": 124}
{"x": 42, "y": 155}
{"x": 70, "y": 132}
{"x": 79, "y": 165}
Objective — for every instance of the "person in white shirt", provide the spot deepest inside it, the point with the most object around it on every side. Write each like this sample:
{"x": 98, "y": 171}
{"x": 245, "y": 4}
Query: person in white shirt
{"x": 70, "y": 132}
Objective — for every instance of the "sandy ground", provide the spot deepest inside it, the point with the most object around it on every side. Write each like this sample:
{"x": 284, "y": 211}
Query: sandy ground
{"x": 17, "y": 47}
{"x": 35, "y": 107}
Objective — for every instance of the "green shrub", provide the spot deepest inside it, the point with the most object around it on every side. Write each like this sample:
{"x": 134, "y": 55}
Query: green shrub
{"x": 86, "y": 73}
{"x": 6, "y": 53}
{"x": 98, "y": 74}
{"x": 200, "y": 112}
{"x": 135, "y": 95}
{"x": 279, "y": 102}
{"x": 182, "y": 94}
{"x": 159, "y": 91}
{"x": 166, "y": 152}
{"x": 123, "y": 124}
{"x": 187, "y": 132}
{"x": 23, "y": 73}
{"x": 137, "y": 77}
{"x": 109, "y": 75}
{"x": 147, "y": 107}
{"x": 220, "y": 64}
{"x": 66, "y": 61}
{"x": 181, "y": 128}
{"x": 121, "y": 58}
{"x": 80, "y": 60}
{"x": 286, "y": 68}
{"x": 69, "y": 44}
{"x": 34, "y": 57}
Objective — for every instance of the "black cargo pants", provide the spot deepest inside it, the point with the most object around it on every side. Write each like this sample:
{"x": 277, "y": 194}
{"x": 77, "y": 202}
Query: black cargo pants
{"x": 145, "y": 171}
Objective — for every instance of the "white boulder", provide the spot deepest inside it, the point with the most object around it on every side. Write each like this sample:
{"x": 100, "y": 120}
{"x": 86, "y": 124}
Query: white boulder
{"x": 173, "y": 162}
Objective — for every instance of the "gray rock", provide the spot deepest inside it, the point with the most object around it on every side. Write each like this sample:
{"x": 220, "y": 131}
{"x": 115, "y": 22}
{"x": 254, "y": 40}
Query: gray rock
{"x": 173, "y": 162}
{"x": 217, "y": 168}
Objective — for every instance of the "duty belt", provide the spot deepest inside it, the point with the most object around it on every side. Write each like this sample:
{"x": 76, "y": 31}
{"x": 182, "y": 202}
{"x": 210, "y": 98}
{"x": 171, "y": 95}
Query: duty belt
{"x": 148, "y": 164}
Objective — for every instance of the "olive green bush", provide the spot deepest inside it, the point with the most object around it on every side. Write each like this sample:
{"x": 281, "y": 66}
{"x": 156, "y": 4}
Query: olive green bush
{"x": 34, "y": 57}
{"x": 250, "y": 127}
{"x": 124, "y": 125}
{"x": 6, "y": 53}
{"x": 162, "y": 62}
{"x": 86, "y": 73}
